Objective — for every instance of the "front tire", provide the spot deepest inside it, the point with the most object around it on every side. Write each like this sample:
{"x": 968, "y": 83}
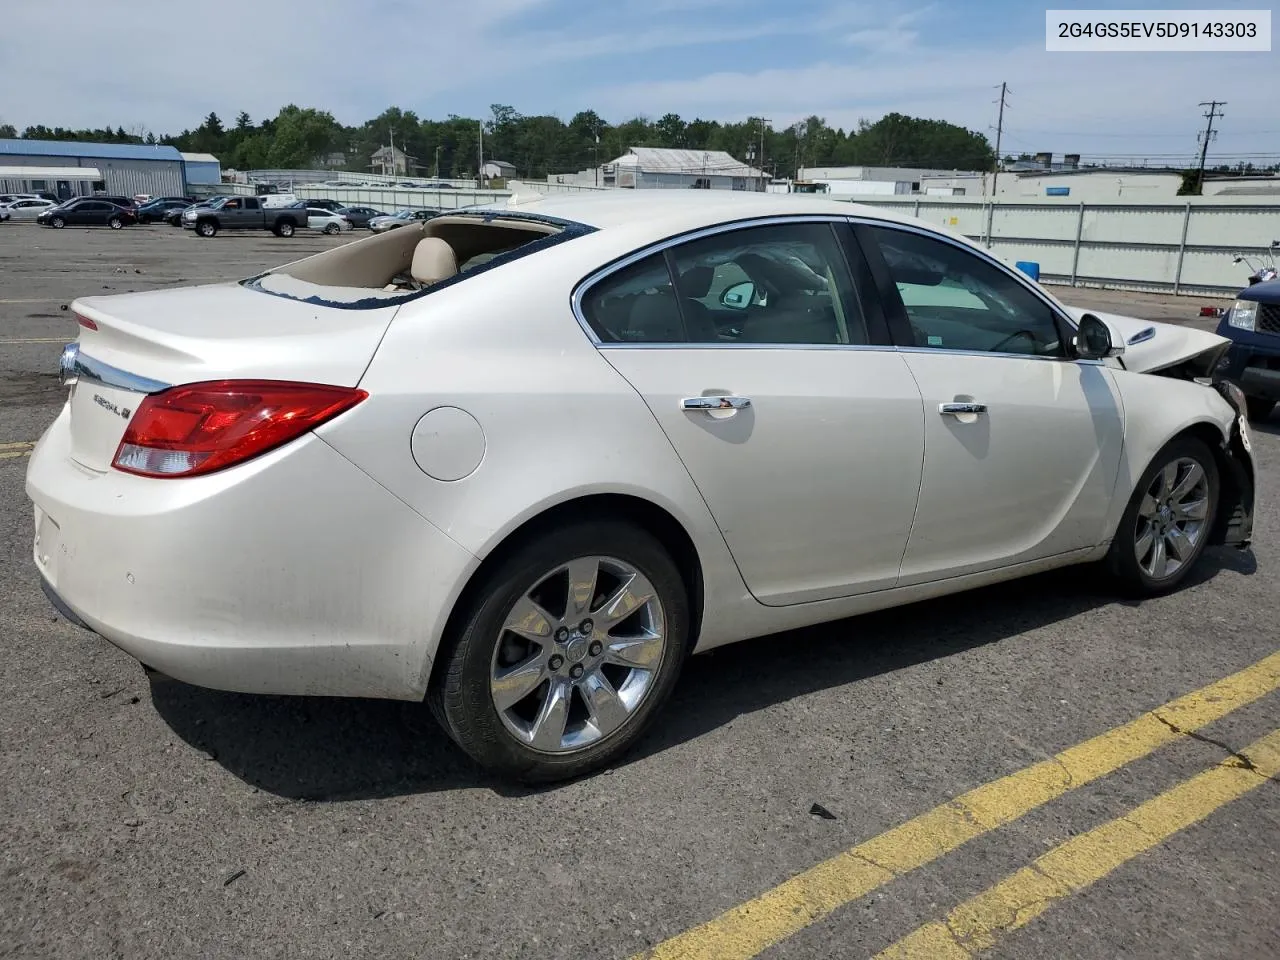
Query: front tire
{"x": 569, "y": 649}
{"x": 115, "y": 223}
{"x": 1259, "y": 408}
{"x": 1166, "y": 525}
{"x": 207, "y": 229}
{"x": 331, "y": 229}
{"x": 57, "y": 223}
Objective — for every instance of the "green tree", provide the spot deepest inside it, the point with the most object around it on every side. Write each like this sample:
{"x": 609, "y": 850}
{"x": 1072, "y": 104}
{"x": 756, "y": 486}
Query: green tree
{"x": 8, "y": 131}
{"x": 301, "y": 135}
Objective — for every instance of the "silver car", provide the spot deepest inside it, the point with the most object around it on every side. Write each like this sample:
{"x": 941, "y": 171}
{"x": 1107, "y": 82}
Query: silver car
{"x": 25, "y": 208}
{"x": 400, "y": 218}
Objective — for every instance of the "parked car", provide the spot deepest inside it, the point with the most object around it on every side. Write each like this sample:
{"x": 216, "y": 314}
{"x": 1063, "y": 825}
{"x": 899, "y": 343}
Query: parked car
{"x": 174, "y": 217}
{"x": 333, "y": 206}
{"x": 27, "y": 208}
{"x": 156, "y": 209}
{"x": 774, "y": 411}
{"x": 400, "y": 218}
{"x": 127, "y": 202}
{"x": 359, "y": 216}
{"x": 87, "y": 212}
{"x": 244, "y": 213}
{"x": 326, "y": 221}
{"x": 1252, "y": 324}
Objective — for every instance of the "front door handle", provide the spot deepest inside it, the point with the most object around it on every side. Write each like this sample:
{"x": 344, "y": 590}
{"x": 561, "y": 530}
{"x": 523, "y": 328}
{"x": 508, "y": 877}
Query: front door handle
{"x": 957, "y": 409}
{"x": 715, "y": 403}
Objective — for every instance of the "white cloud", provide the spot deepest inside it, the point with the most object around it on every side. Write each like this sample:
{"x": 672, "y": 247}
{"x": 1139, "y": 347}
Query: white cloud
{"x": 1148, "y": 98}
{"x": 166, "y": 63}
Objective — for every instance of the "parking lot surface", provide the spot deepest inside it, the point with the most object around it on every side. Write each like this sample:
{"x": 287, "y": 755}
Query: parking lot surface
{"x": 1028, "y": 771}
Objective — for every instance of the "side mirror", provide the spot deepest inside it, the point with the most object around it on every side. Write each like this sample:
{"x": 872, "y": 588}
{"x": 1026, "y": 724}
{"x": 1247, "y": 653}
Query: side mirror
{"x": 738, "y": 296}
{"x": 1097, "y": 339}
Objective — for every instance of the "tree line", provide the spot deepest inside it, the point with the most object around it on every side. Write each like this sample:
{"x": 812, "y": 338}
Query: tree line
{"x": 302, "y": 137}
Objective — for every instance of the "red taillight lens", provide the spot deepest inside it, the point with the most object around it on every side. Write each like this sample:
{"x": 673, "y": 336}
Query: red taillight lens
{"x": 86, "y": 322}
{"x": 202, "y": 427}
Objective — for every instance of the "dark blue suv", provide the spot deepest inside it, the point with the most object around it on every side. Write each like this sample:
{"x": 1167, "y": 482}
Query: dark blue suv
{"x": 1253, "y": 360}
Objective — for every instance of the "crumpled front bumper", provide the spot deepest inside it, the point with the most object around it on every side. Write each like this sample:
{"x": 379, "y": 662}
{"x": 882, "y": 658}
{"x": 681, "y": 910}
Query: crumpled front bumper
{"x": 1234, "y": 524}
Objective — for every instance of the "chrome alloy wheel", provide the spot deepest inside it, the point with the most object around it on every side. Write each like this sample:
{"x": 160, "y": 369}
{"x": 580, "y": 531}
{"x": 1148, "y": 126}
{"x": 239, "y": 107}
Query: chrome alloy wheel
{"x": 1171, "y": 519}
{"x": 577, "y": 654}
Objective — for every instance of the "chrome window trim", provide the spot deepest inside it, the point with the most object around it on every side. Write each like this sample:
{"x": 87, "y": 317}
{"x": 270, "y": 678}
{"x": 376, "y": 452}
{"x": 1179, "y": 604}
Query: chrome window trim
{"x": 865, "y": 347}
{"x": 585, "y": 285}
{"x": 88, "y": 368}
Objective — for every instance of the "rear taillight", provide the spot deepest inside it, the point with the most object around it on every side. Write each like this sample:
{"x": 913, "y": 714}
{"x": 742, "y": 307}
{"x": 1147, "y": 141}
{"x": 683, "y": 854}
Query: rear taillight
{"x": 202, "y": 427}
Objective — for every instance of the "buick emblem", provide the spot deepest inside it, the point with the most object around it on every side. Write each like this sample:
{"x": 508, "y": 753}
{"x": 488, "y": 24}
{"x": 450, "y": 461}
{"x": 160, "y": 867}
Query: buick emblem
{"x": 67, "y": 365}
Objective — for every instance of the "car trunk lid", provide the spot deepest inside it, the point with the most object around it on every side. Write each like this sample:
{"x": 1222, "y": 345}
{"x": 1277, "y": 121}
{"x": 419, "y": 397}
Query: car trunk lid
{"x": 134, "y": 344}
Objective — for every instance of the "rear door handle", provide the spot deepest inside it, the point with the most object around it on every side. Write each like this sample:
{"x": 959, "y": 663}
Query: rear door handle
{"x": 715, "y": 403}
{"x": 956, "y": 409}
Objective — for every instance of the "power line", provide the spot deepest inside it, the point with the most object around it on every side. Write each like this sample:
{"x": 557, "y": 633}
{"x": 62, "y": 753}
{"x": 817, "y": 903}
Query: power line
{"x": 1213, "y": 111}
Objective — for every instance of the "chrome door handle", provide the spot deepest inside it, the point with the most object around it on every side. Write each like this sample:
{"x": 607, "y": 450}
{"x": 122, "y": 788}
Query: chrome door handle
{"x": 715, "y": 403}
{"x": 956, "y": 409}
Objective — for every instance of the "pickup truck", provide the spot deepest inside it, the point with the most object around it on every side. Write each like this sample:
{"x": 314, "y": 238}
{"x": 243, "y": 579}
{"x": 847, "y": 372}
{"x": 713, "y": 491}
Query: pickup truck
{"x": 1252, "y": 361}
{"x": 244, "y": 213}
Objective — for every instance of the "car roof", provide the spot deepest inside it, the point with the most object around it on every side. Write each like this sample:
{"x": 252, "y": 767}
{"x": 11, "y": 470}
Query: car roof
{"x": 680, "y": 210}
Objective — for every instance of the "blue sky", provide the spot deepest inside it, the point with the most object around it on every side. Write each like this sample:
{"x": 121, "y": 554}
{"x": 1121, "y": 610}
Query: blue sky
{"x": 723, "y": 59}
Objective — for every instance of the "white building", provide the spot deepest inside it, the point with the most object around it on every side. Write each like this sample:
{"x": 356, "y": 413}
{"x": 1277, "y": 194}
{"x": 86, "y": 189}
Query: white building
{"x": 852, "y": 181}
{"x": 1259, "y": 185}
{"x": 494, "y": 169}
{"x": 1082, "y": 185}
{"x": 644, "y": 168}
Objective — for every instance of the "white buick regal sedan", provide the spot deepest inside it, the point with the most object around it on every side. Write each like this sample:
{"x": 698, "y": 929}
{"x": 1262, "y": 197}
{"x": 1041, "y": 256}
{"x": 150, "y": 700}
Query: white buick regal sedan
{"x": 522, "y": 461}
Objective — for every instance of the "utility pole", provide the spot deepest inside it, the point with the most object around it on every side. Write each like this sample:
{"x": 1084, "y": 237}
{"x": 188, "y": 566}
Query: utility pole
{"x": 437, "y": 161}
{"x": 393, "y": 152}
{"x": 480, "y": 154}
{"x": 995, "y": 171}
{"x": 763, "y": 121}
{"x": 1208, "y": 135}
{"x": 995, "y": 168}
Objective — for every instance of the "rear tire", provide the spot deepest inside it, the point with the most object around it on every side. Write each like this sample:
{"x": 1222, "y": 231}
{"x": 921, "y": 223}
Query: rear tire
{"x": 569, "y": 663}
{"x": 284, "y": 228}
{"x": 1166, "y": 525}
{"x": 1259, "y": 408}
{"x": 207, "y": 228}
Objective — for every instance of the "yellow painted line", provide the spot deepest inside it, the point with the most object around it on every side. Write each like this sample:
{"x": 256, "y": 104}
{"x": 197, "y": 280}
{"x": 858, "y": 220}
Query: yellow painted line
{"x": 1019, "y": 898}
{"x": 18, "y": 445}
{"x": 15, "y": 455}
{"x": 746, "y": 930}
{"x": 35, "y": 340}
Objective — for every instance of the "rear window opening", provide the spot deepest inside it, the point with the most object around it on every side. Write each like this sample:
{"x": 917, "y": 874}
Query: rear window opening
{"x": 414, "y": 259}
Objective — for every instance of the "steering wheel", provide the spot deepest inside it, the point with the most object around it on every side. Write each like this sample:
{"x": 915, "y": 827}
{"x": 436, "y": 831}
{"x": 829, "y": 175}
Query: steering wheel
{"x": 1014, "y": 336}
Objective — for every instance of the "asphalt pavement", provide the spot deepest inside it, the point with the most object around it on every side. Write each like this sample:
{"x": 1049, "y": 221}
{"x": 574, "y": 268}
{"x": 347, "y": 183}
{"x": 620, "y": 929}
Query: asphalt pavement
{"x": 982, "y": 774}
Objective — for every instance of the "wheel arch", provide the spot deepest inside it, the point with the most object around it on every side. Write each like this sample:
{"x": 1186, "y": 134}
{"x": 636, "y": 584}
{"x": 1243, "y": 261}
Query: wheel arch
{"x": 1233, "y": 522}
{"x": 646, "y": 514}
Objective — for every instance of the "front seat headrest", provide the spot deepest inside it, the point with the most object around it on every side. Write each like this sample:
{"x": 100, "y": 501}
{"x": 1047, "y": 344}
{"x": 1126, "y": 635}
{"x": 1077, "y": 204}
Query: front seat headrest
{"x": 433, "y": 261}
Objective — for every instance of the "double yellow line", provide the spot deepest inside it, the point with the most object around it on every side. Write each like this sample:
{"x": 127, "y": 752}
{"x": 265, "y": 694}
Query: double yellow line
{"x": 747, "y": 930}
{"x": 15, "y": 450}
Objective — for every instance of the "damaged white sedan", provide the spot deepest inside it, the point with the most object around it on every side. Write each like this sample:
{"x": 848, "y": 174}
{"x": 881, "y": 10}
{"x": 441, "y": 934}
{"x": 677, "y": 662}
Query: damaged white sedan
{"x": 523, "y": 461}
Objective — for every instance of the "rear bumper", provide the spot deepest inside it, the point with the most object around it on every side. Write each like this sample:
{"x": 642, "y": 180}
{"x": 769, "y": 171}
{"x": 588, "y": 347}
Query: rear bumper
{"x": 292, "y": 574}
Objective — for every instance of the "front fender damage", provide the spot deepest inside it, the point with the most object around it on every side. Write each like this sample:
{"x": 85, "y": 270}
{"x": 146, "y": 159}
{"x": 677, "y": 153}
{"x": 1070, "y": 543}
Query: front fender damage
{"x": 1234, "y": 523}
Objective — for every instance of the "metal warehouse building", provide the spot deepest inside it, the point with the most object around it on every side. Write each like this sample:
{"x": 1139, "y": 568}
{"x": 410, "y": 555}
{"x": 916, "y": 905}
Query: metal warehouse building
{"x": 126, "y": 169}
